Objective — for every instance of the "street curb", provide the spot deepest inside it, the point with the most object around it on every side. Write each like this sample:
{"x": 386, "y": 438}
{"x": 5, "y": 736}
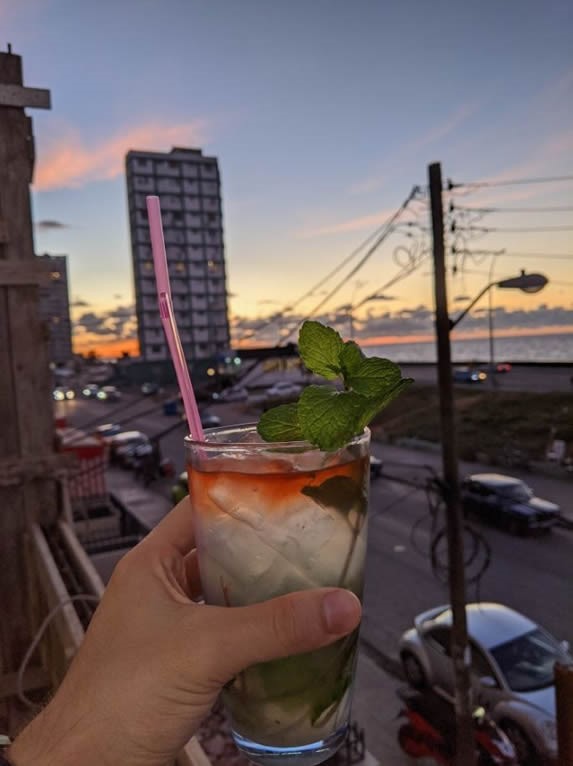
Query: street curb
{"x": 385, "y": 662}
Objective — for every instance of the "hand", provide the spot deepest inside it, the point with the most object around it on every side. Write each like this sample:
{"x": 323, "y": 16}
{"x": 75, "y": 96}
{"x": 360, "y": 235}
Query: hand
{"x": 153, "y": 660}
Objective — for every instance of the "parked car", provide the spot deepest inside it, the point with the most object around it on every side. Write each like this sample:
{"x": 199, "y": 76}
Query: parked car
{"x": 109, "y": 394}
{"x": 107, "y": 431}
{"x": 124, "y": 444}
{"x": 148, "y": 389}
{"x": 375, "y": 467}
{"x": 208, "y": 420}
{"x": 469, "y": 375}
{"x": 90, "y": 390}
{"x": 283, "y": 389}
{"x": 503, "y": 367}
{"x": 508, "y": 502}
{"x": 234, "y": 394}
{"x": 63, "y": 393}
{"x": 512, "y": 667}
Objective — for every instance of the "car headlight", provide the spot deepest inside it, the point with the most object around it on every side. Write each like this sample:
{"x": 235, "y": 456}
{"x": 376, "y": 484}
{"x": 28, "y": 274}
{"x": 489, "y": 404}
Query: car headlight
{"x": 70, "y": 395}
{"x": 549, "y": 731}
{"x": 86, "y": 392}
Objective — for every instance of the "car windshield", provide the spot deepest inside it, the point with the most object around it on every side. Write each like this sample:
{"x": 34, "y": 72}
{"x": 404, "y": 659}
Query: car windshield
{"x": 519, "y": 492}
{"x": 528, "y": 662}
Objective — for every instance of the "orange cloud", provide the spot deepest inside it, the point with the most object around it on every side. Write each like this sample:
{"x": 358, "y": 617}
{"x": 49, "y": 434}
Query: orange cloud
{"x": 516, "y": 332}
{"x": 108, "y": 349}
{"x": 69, "y": 161}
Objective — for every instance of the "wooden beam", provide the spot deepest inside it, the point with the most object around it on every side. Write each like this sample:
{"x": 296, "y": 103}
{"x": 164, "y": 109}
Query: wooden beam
{"x": 85, "y": 570}
{"x": 20, "y": 97}
{"x": 25, "y": 272}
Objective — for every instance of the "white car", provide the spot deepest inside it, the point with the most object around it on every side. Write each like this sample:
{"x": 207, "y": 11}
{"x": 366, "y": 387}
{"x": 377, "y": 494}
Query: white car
{"x": 235, "y": 394}
{"x": 512, "y": 666}
{"x": 283, "y": 389}
{"x": 123, "y": 446}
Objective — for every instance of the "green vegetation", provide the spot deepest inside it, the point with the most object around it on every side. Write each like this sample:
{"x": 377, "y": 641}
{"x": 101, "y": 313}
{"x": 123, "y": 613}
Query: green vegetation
{"x": 488, "y": 423}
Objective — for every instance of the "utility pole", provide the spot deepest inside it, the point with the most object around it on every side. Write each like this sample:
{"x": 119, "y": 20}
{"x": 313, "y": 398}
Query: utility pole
{"x": 465, "y": 751}
{"x": 28, "y": 465}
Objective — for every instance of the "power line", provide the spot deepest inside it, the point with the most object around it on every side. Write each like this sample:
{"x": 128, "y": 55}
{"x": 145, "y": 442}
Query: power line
{"x": 489, "y": 229}
{"x": 387, "y": 230}
{"x": 378, "y": 235}
{"x": 484, "y": 210}
{"x": 451, "y": 185}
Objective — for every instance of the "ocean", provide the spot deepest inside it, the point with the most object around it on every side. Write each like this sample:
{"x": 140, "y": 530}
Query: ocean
{"x": 533, "y": 348}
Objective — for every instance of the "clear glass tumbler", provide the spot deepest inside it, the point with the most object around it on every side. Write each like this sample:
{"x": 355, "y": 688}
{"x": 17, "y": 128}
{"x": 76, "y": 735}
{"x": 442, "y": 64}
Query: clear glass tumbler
{"x": 271, "y": 519}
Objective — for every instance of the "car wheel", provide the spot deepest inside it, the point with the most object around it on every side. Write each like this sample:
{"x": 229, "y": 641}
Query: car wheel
{"x": 413, "y": 670}
{"x": 524, "y": 749}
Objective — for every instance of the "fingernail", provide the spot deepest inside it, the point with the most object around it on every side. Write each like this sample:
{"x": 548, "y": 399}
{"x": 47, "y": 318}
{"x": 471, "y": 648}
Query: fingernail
{"x": 341, "y": 610}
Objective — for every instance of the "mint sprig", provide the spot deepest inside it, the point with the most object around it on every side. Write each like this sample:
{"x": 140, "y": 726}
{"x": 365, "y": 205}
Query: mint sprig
{"x": 324, "y": 416}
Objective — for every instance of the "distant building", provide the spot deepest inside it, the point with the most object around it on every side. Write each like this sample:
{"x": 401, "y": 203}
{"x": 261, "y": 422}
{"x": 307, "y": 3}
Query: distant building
{"x": 55, "y": 309}
{"x": 189, "y": 188}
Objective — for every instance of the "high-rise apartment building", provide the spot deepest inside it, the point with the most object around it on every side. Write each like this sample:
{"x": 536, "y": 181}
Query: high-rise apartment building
{"x": 55, "y": 308}
{"x": 188, "y": 186}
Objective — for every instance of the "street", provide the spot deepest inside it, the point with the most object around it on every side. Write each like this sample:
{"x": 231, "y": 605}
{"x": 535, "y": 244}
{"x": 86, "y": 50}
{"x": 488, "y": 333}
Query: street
{"x": 530, "y": 378}
{"x": 532, "y": 575}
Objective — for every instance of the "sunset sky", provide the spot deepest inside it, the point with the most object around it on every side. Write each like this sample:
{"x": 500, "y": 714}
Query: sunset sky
{"x": 323, "y": 115}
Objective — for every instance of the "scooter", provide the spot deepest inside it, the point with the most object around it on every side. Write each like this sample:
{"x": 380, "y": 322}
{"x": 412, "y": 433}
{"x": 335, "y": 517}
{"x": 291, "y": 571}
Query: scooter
{"x": 429, "y": 731}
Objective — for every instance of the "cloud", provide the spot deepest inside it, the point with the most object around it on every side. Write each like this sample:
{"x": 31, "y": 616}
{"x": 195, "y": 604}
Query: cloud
{"x": 78, "y": 303}
{"x": 68, "y": 161}
{"x": 48, "y": 224}
{"x": 342, "y": 227}
{"x": 118, "y": 322}
{"x": 420, "y": 321}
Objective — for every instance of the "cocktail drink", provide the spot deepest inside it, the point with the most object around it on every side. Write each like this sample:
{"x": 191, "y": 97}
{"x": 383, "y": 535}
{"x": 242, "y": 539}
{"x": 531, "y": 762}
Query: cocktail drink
{"x": 271, "y": 519}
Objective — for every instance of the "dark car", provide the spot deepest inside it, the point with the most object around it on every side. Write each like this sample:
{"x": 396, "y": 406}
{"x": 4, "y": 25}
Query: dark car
{"x": 469, "y": 375}
{"x": 149, "y": 389}
{"x": 508, "y": 502}
{"x": 208, "y": 420}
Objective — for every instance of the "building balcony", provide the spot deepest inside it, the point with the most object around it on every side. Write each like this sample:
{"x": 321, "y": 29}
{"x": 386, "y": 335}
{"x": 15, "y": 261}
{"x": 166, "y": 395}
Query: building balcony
{"x": 170, "y": 202}
{"x": 192, "y": 203}
{"x": 191, "y": 187}
{"x": 168, "y": 185}
{"x": 167, "y": 168}
{"x": 210, "y": 188}
{"x": 144, "y": 183}
{"x": 193, "y": 220}
{"x": 190, "y": 170}
{"x": 194, "y": 237}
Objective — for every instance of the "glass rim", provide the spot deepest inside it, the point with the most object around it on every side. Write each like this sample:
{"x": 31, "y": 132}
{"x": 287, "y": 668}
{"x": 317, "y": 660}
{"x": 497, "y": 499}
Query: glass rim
{"x": 262, "y": 445}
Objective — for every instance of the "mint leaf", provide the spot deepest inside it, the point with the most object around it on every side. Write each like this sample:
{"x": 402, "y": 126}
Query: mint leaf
{"x": 377, "y": 404}
{"x": 320, "y": 347}
{"x": 339, "y": 492}
{"x": 329, "y": 418}
{"x": 369, "y": 376}
{"x": 280, "y": 424}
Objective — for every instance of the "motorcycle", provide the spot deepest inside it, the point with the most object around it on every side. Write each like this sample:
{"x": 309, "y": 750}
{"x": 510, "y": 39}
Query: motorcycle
{"x": 430, "y": 729}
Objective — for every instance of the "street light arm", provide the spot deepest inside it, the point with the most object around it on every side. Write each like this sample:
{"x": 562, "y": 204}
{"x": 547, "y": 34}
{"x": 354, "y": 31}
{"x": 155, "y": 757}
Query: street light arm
{"x": 454, "y": 322}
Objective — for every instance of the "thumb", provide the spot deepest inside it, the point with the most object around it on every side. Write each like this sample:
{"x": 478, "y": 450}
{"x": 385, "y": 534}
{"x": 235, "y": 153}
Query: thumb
{"x": 292, "y": 624}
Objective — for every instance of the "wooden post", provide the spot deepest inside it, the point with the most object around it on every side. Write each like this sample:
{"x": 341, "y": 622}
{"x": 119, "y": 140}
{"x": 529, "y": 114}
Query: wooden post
{"x": 26, "y": 419}
{"x": 564, "y": 700}
{"x": 465, "y": 751}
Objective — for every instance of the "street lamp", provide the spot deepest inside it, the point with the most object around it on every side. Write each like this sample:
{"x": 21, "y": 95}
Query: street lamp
{"x": 527, "y": 283}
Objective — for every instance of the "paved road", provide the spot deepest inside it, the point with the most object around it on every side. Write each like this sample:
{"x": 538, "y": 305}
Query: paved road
{"x": 536, "y": 379}
{"x": 531, "y": 575}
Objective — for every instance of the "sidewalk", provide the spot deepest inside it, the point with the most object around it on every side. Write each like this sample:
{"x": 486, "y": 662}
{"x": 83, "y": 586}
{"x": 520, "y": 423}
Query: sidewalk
{"x": 143, "y": 503}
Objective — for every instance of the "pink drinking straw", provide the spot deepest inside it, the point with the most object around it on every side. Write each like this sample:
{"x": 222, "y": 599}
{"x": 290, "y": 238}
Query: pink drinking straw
{"x": 168, "y": 319}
